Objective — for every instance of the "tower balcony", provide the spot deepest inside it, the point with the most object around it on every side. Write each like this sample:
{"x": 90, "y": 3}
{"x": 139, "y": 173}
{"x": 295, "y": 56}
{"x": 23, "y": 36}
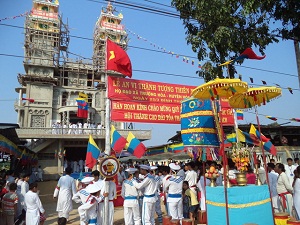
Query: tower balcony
{"x": 75, "y": 133}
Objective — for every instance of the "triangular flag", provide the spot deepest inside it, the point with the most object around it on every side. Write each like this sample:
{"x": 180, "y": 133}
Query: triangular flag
{"x": 272, "y": 118}
{"x": 290, "y": 90}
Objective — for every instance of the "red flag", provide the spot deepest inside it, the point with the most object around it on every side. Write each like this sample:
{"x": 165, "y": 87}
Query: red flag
{"x": 82, "y": 111}
{"x": 117, "y": 59}
{"x": 249, "y": 54}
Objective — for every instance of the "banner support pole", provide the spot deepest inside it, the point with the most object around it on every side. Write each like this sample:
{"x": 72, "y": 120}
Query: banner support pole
{"x": 107, "y": 150}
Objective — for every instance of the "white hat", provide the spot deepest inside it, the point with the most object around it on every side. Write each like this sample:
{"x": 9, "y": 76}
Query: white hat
{"x": 87, "y": 180}
{"x": 153, "y": 167}
{"x": 131, "y": 170}
{"x": 173, "y": 166}
{"x": 93, "y": 188}
{"x": 145, "y": 167}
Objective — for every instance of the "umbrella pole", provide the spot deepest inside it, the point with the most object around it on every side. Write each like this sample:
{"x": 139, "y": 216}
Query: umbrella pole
{"x": 264, "y": 160}
{"x": 222, "y": 149}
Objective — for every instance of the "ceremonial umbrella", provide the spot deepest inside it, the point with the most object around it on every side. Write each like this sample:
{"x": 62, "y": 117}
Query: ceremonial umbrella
{"x": 254, "y": 97}
{"x": 220, "y": 88}
{"x": 214, "y": 90}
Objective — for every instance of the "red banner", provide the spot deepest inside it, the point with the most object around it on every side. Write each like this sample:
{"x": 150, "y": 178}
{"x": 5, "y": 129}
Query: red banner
{"x": 152, "y": 102}
{"x": 147, "y": 91}
{"x": 227, "y": 113}
{"x": 145, "y": 112}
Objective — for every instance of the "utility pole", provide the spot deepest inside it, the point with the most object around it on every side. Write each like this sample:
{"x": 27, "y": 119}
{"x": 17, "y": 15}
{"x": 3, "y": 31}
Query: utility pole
{"x": 297, "y": 53}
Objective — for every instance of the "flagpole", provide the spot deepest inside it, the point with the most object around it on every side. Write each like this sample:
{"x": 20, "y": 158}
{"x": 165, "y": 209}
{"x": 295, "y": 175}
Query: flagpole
{"x": 107, "y": 137}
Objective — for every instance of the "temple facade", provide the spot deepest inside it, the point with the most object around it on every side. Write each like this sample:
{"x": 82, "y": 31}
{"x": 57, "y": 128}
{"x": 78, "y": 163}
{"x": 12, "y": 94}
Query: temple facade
{"x": 47, "y": 108}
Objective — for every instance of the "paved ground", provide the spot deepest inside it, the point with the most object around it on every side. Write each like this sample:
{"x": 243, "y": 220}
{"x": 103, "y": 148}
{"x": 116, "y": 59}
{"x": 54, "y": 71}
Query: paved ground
{"x": 46, "y": 192}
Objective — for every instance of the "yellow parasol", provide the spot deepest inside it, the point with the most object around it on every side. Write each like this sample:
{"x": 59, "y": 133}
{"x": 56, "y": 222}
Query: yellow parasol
{"x": 254, "y": 97}
{"x": 220, "y": 88}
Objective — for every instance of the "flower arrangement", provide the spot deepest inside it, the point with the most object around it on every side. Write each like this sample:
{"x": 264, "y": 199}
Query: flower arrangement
{"x": 241, "y": 159}
{"x": 212, "y": 173}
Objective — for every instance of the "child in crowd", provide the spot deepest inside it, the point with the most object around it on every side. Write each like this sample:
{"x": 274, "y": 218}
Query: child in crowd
{"x": 9, "y": 205}
{"x": 193, "y": 202}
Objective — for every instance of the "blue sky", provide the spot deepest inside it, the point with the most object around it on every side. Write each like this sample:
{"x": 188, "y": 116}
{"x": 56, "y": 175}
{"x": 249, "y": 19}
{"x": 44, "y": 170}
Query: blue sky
{"x": 165, "y": 32}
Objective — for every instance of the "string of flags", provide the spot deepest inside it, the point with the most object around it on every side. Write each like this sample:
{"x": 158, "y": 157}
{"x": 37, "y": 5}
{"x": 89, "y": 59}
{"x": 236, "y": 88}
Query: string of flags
{"x": 265, "y": 83}
{"x": 240, "y": 116}
{"x": 185, "y": 59}
{"x": 247, "y": 54}
{"x": 14, "y": 17}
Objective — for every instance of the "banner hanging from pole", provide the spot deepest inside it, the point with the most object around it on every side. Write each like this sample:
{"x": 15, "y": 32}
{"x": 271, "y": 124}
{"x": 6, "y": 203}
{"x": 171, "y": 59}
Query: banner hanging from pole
{"x": 152, "y": 102}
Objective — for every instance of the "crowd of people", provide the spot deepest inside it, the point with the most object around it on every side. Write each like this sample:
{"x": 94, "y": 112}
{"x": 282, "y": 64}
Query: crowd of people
{"x": 77, "y": 128}
{"x": 178, "y": 187}
{"x": 20, "y": 203}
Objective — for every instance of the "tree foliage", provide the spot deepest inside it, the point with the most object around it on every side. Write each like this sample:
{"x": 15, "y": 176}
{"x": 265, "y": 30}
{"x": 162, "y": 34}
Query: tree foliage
{"x": 219, "y": 30}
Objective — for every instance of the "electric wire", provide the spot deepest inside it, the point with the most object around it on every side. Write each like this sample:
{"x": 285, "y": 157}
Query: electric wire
{"x": 147, "y": 49}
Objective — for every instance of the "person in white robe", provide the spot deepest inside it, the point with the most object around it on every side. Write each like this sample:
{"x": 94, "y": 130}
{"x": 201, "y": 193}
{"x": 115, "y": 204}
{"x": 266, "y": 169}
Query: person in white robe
{"x": 18, "y": 191}
{"x": 24, "y": 190}
{"x": 289, "y": 170}
{"x": 88, "y": 211}
{"x": 64, "y": 190}
{"x": 149, "y": 199}
{"x": 284, "y": 189}
{"x": 191, "y": 176}
{"x": 112, "y": 194}
{"x": 75, "y": 166}
{"x": 130, "y": 195}
{"x": 34, "y": 206}
{"x": 174, "y": 199}
{"x": 81, "y": 164}
{"x": 79, "y": 125}
{"x": 296, "y": 196}
{"x": 201, "y": 187}
{"x": 40, "y": 173}
{"x": 273, "y": 176}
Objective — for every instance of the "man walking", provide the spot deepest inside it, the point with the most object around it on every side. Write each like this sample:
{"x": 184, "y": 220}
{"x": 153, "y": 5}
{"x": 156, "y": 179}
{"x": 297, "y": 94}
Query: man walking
{"x": 64, "y": 190}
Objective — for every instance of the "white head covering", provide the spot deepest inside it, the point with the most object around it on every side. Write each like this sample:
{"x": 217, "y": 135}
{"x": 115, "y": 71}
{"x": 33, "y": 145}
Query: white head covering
{"x": 131, "y": 170}
{"x": 93, "y": 188}
{"x": 173, "y": 166}
{"x": 153, "y": 167}
{"x": 87, "y": 180}
{"x": 145, "y": 167}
